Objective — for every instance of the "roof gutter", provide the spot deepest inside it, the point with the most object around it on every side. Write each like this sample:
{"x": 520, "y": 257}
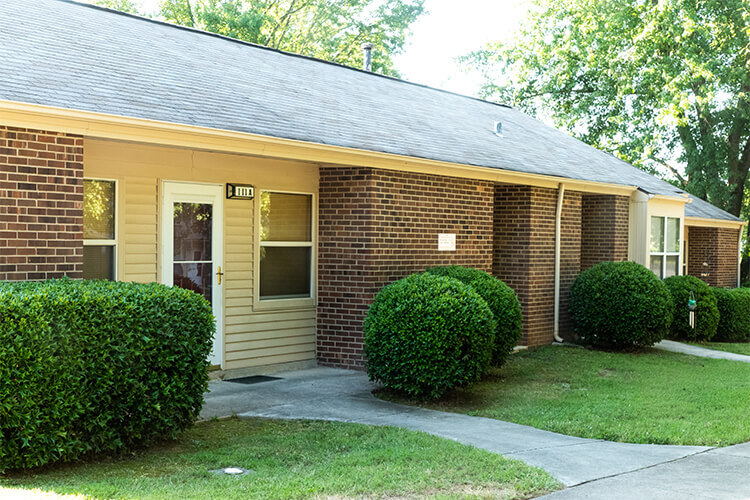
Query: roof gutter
{"x": 706, "y": 222}
{"x": 106, "y": 126}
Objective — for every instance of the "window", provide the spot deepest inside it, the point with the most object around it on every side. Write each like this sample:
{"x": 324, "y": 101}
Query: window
{"x": 665, "y": 246}
{"x": 286, "y": 246}
{"x": 99, "y": 236}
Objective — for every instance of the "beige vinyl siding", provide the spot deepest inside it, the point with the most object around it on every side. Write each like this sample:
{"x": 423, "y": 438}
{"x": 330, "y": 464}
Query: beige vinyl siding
{"x": 252, "y": 338}
{"x": 138, "y": 211}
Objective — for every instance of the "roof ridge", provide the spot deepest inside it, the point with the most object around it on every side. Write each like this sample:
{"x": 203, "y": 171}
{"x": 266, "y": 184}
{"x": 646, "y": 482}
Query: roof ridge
{"x": 85, "y": 3}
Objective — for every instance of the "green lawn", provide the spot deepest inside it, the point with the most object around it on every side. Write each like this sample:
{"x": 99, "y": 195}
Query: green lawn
{"x": 648, "y": 397}
{"x": 291, "y": 459}
{"x": 736, "y": 347}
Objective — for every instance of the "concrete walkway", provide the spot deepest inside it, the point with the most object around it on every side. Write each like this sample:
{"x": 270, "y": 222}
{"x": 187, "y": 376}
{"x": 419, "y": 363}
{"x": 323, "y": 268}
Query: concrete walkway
{"x": 702, "y": 352}
{"x": 590, "y": 468}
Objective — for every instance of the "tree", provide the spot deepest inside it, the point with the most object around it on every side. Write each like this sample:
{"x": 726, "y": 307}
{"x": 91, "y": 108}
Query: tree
{"x": 663, "y": 84}
{"x": 121, "y": 5}
{"x": 325, "y": 29}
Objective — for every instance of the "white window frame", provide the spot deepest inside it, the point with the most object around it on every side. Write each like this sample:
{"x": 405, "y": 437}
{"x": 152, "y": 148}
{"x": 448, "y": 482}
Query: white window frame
{"x": 113, "y": 242}
{"x": 291, "y": 302}
{"x": 664, "y": 254}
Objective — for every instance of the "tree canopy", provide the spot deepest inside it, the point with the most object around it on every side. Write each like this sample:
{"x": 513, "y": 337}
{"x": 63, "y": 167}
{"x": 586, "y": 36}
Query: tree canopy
{"x": 663, "y": 84}
{"x": 328, "y": 30}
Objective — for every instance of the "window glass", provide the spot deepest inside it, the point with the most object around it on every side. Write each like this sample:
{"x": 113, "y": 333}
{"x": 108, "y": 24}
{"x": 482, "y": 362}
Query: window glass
{"x": 673, "y": 234}
{"x": 99, "y": 225}
{"x": 285, "y": 217}
{"x": 672, "y": 266}
{"x": 656, "y": 265}
{"x": 657, "y": 234}
{"x": 665, "y": 246}
{"x": 98, "y": 210}
{"x": 98, "y": 262}
{"x": 286, "y": 245}
{"x": 285, "y": 272}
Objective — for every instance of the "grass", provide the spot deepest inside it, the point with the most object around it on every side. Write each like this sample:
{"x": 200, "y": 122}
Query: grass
{"x": 735, "y": 347}
{"x": 648, "y": 397}
{"x": 290, "y": 459}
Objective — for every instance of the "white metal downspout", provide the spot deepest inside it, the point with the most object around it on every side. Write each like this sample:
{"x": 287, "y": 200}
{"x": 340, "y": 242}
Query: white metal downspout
{"x": 558, "y": 237}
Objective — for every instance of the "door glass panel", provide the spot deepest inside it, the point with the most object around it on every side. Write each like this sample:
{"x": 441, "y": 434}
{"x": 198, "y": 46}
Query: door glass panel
{"x": 656, "y": 262}
{"x": 192, "y": 232}
{"x": 657, "y": 234}
{"x": 673, "y": 234}
{"x": 673, "y": 262}
{"x": 193, "y": 266}
{"x": 195, "y": 277}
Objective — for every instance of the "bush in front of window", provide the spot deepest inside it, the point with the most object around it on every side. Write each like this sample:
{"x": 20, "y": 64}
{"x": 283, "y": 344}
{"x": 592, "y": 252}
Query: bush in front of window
{"x": 502, "y": 301}
{"x": 426, "y": 335}
{"x": 706, "y": 311}
{"x": 97, "y": 366}
{"x": 734, "y": 314}
{"x": 620, "y": 306}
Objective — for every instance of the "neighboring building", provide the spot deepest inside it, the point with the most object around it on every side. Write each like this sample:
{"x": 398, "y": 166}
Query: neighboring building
{"x": 120, "y": 138}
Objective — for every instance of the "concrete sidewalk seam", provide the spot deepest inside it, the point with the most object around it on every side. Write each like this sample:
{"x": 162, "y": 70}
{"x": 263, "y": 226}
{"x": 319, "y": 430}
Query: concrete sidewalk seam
{"x": 647, "y": 467}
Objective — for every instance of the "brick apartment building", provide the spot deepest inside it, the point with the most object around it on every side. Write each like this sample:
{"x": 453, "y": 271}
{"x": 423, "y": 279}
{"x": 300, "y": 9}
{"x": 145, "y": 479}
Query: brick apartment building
{"x": 289, "y": 191}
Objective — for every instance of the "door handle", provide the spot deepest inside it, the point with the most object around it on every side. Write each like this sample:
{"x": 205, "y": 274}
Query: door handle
{"x": 219, "y": 274}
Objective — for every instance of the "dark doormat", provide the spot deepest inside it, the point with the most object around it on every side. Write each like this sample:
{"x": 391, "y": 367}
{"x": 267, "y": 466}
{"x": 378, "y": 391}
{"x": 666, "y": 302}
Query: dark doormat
{"x": 255, "y": 379}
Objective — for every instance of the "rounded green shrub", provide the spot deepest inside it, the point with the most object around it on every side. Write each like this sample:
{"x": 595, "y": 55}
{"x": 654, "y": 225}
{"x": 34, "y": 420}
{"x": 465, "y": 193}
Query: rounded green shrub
{"x": 620, "y": 305}
{"x": 97, "y": 366}
{"x": 706, "y": 311}
{"x": 425, "y": 335}
{"x": 502, "y": 301}
{"x": 734, "y": 314}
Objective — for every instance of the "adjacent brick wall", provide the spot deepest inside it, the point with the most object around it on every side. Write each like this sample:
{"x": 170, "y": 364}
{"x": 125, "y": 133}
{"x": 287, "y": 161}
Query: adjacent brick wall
{"x": 524, "y": 253}
{"x": 604, "y": 229}
{"x": 718, "y": 248}
{"x": 41, "y": 204}
{"x": 570, "y": 255}
{"x": 377, "y": 226}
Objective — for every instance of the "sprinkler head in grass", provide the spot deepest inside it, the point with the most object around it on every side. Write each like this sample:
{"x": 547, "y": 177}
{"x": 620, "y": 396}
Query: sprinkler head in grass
{"x": 233, "y": 471}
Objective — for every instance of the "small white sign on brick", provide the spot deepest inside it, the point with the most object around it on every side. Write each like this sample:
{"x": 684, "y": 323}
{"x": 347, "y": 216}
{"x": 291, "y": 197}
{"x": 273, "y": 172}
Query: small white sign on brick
{"x": 446, "y": 242}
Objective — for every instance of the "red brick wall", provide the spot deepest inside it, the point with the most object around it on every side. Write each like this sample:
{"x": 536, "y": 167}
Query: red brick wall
{"x": 377, "y": 226}
{"x": 570, "y": 255}
{"x": 41, "y": 204}
{"x": 604, "y": 229}
{"x": 524, "y": 253}
{"x": 718, "y": 248}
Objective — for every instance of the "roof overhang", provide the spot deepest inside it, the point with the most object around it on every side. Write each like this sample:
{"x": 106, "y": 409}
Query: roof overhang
{"x": 105, "y": 126}
{"x": 705, "y": 222}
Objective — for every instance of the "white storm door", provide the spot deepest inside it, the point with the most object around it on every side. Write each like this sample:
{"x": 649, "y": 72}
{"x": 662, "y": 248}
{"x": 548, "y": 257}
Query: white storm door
{"x": 192, "y": 246}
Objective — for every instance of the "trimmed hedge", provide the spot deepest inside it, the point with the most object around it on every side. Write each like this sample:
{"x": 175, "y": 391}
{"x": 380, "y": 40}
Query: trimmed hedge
{"x": 97, "y": 366}
{"x": 620, "y": 305}
{"x": 425, "y": 335}
{"x": 706, "y": 311}
{"x": 734, "y": 314}
{"x": 502, "y": 301}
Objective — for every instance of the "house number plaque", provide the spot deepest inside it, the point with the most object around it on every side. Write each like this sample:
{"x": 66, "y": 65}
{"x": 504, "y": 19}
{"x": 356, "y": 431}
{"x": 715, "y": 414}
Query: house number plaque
{"x": 240, "y": 192}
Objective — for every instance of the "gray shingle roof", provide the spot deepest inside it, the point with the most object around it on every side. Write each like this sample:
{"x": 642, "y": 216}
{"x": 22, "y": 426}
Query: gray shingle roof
{"x": 69, "y": 55}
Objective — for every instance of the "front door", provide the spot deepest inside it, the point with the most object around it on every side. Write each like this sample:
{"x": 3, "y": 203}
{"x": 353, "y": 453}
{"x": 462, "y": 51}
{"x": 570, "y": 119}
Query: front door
{"x": 192, "y": 247}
